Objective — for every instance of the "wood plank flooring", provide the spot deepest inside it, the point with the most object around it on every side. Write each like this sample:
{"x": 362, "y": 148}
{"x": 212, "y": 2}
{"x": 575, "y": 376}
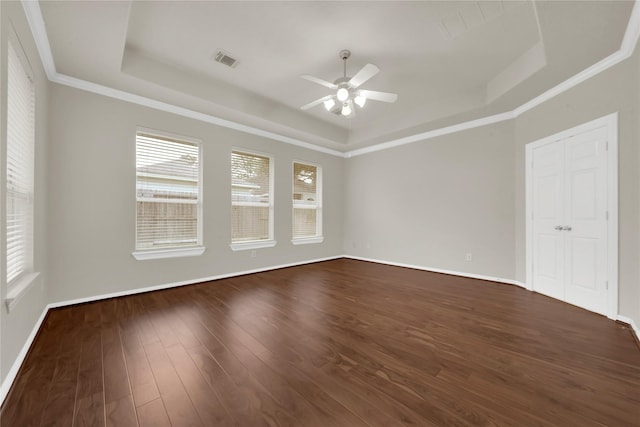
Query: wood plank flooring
{"x": 337, "y": 343}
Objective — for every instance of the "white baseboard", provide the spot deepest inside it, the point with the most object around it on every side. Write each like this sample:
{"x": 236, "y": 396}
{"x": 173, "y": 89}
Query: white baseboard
{"x": 13, "y": 372}
{"x": 185, "y": 282}
{"x": 631, "y": 323}
{"x": 439, "y": 270}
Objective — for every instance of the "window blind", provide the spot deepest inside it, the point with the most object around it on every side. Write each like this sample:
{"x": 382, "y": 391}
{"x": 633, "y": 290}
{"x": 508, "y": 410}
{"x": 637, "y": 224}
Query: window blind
{"x": 20, "y": 166}
{"x": 167, "y": 192}
{"x": 306, "y": 201}
{"x": 251, "y": 197}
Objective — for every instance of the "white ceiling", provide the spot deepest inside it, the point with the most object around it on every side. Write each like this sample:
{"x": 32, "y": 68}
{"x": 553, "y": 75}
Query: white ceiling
{"x": 444, "y": 59}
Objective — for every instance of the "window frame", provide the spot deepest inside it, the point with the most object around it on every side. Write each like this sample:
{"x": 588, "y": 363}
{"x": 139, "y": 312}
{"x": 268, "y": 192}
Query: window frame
{"x": 319, "y": 237}
{"x": 196, "y": 249}
{"x": 19, "y": 284}
{"x": 260, "y": 243}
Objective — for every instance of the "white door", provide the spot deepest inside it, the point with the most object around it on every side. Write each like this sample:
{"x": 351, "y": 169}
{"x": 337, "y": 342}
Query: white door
{"x": 570, "y": 219}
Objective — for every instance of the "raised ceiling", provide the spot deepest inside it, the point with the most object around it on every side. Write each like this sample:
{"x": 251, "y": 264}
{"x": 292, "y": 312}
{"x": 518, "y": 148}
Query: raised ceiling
{"x": 445, "y": 59}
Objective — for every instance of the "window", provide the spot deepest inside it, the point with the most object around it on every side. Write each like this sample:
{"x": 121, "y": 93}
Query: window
{"x": 251, "y": 200}
{"x": 20, "y": 165}
{"x": 307, "y": 203}
{"x": 168, "y": 196}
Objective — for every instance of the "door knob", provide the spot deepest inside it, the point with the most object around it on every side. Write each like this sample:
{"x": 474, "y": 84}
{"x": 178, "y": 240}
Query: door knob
{"x": 566, "y": 228}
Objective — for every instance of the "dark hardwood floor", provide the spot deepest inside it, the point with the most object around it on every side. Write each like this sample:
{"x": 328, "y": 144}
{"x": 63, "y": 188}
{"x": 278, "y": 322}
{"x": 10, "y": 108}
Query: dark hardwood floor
{"x": 337, "y": 343}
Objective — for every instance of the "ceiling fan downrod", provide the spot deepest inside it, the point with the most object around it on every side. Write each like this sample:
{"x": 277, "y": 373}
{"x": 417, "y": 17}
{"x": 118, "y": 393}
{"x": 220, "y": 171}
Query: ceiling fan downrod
{"x": 344, "y": 55}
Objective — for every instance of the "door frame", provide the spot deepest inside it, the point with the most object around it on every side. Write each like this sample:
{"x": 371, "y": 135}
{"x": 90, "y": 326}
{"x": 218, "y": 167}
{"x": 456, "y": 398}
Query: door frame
{"x": 610, "y": 122}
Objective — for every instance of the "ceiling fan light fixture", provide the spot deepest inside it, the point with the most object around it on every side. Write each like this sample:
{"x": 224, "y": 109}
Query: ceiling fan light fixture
{"x": 342, "y": 94}
{"x": 346, "y": 109}
{"x": 329, "y": 103}
{"x": 347, "y": 93}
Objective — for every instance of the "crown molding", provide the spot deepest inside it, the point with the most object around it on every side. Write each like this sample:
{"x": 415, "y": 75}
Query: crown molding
{"x": 185, "y": 112}
{"x": 433, "y": 134}
{"x": 627, "y": 47}
{"x": 38, "y": 30}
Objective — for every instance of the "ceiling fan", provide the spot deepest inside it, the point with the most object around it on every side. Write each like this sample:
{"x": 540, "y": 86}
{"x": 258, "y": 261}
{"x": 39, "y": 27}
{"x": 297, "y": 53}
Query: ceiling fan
{"x": 347, "y": 93}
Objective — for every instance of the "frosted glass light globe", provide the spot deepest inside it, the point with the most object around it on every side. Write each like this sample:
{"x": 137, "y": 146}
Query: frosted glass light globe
{"x": 342, "y": 94}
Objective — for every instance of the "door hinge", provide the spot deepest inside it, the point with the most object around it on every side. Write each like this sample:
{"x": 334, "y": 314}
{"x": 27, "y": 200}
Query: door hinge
{"x": 606, "y": 146}
{"x": 606, "y": 284}
{"x": 606, "y": 215}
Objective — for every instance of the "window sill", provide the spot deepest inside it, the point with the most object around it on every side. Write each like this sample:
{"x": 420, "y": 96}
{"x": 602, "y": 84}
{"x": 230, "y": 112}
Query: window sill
{"x": 243, "y": 246}
{"x": 308, "y": 240}
{"x": 19, "y": 289}
{"x": 168, "y": 253}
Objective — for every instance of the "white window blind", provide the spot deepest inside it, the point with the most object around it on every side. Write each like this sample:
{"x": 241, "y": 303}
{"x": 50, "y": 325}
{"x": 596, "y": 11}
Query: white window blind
{"x": 167, "y": 192}
{"x": 20, "y": 165}
{"x": 251, "y": 197}
{"x": 306, "y": 201}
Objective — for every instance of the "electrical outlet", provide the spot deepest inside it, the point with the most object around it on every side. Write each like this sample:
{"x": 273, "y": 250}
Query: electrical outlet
{"x": 468, "y": 257}
{"x": 253, "y": 254}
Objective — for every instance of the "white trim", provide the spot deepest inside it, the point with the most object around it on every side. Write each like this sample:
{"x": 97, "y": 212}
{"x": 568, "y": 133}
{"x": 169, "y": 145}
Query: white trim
{"x": 612, "y": 209}
{"x": 256, "y": 244}
{"x": 13, "y": 372}
{"x": 609, "y": 121}
{"x": 632, "y": 33}
{"x": 629, "y": 321}
{"x": 432, "y": 134}
{"x": 186, "y": 282}
{"x": 163, "y": 134}
{"x": 439, "y": 270}
{"x": 307, "y": 240}
{"x": 39, "y": 32}
{"x": 19, "y": 289}
{"x": 572, "y": 81}
{"x": 143, "y": 255}
{"x": 36, "y": 23}
{"x": 528, "y": 208}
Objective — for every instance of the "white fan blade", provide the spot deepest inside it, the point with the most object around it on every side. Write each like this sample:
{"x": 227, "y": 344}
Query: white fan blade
{"x": 379, "y": 96}
{"x": 316, "y": 102}
{"x": 319, "y": 81}
{"x": 363, "y": 75}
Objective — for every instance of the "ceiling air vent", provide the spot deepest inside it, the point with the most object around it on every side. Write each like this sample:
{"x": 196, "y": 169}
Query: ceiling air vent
{"x": 223, "y": 57}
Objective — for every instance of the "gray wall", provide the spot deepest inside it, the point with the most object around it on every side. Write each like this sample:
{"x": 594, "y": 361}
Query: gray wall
{"x": 92, "y": 199}
{"x": 432, "y": 202}
{"x": 608, "y": 92}
{"x": 17, "y": 325}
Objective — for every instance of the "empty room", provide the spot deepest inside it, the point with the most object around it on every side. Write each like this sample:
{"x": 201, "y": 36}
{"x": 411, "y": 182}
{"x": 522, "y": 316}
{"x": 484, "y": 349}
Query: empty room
{"x": 320, "y": 213}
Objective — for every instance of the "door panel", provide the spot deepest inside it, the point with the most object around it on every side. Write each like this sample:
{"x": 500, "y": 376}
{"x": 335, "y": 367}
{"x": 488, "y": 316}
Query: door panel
{"x": 549, "y": 274}
{"x": 583, "y": 186}
{"x": 584, "y": 262}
